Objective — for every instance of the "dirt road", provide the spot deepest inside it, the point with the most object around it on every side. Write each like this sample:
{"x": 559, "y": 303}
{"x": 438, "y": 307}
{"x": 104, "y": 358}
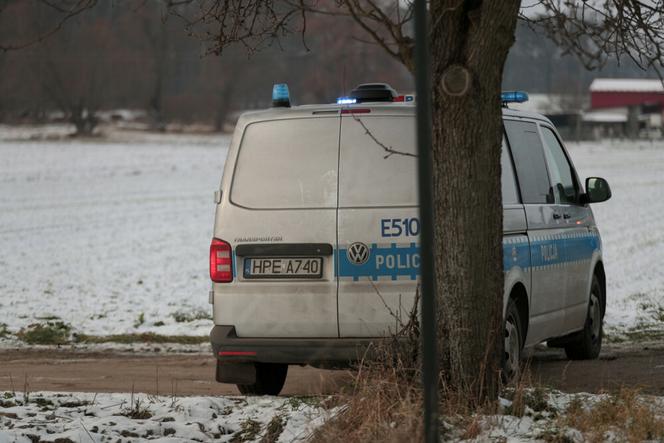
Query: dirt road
{"x": 193, "y": 374}
{"x": 166, "y": 374}
{"x": 626, "y": 365}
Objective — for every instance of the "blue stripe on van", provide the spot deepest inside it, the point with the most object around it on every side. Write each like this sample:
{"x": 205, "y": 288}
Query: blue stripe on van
{"x": 384, "y": 261}
{"x": 581, "y": 248}
{"x": 548, "y": 250}
{"x": 395, "y": 260}
{"x": 516, "y": 254}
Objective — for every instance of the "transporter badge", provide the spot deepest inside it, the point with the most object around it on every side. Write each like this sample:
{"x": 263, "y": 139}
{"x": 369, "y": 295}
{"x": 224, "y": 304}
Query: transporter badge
{"x": 358, "y": 253}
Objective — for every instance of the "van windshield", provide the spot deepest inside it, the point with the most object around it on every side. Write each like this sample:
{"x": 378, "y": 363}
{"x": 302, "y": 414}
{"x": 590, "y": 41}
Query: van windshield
{"x": 288, "y": 164}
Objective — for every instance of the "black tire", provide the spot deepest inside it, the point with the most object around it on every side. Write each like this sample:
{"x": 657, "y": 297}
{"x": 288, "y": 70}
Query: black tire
{"x": 270, "y": 379}
{"x": 588, "y": 343}
{"x": 513, "y": 343}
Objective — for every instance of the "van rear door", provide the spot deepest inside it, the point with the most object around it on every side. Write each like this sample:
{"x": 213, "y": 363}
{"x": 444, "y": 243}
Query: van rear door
{"x": 378, "y": 227}
{"x": 280, "y": 219}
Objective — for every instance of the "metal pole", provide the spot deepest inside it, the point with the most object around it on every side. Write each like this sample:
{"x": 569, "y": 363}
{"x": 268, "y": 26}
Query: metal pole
{"x": 423, "y": 102}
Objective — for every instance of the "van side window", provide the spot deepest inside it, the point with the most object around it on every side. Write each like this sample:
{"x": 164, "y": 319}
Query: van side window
{"x": 562, "y": 177}
{"x": 529, "y": 161}
{"x": 510, "y": 195}
{"x": 288, "y": 164}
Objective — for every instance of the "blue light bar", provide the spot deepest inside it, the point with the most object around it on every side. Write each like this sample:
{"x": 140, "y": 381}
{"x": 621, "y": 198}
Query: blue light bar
{"x": 514, "y": 97}
{"x": 280, "y": 96}
{"x": 346, "y": 101}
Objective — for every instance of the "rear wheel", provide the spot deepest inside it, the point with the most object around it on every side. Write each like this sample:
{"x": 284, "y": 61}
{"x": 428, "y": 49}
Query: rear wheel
{"x": 270, "y": 379}
{"x": 588, "y": 343}
{"x": 513, "y": 343}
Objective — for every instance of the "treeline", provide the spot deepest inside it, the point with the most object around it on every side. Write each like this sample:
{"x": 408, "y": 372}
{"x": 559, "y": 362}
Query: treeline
{"x": 134, "y": 55}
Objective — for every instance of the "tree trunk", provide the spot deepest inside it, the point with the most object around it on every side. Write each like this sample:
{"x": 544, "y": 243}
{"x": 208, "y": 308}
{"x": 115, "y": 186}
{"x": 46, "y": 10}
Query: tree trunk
{"x": 156, "y": 102}
{"x": 224, "y": 103}
{"x": 469, "y": 44}
{"x": 83, "y": 120}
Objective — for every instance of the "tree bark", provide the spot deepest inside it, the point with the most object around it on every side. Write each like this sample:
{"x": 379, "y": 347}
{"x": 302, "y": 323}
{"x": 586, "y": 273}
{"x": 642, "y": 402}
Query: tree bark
{"x": 469, "y": 44}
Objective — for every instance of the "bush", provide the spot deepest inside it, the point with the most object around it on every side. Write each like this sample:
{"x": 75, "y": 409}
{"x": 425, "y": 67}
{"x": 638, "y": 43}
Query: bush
{"x": 140, "y": 320}
{"x": 49, "y": 333}
{"x": 186, "y": 317}
{"x": 4, "y": 331}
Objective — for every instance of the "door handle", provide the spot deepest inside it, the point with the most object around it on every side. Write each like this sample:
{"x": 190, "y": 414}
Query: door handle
{"x": 556, "y": 215}
{"x": 566, "y": 215}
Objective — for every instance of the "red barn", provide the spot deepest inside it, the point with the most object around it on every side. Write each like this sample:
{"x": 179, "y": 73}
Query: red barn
{"x": 625, "y": 92}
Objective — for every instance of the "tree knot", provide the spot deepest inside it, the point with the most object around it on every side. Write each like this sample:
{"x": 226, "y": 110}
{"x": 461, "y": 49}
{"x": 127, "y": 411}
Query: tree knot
{"x": 455, "y": 80}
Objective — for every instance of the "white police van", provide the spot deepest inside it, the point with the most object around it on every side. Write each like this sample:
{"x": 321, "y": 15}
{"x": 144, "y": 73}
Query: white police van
{"x": 315, "y": 250}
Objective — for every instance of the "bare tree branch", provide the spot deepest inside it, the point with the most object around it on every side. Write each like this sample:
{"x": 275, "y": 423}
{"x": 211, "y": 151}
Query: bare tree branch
{"x": 67, "y": 8}
{"x": 256, "y": 24}
{"x": 592, "y": 30}
{"x": 389, "y": 149}
{"x": 596, "y": 31}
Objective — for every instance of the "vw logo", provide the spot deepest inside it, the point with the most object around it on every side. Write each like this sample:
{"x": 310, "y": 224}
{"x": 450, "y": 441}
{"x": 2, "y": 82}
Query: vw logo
{"x": 358, "y": 253}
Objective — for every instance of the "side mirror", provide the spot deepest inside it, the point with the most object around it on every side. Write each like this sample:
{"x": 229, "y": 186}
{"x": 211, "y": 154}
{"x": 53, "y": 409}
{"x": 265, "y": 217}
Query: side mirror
{"x": 597, "y": 190}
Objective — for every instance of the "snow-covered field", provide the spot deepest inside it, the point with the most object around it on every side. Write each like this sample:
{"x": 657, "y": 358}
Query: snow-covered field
{"x": 632, "y": 227}
{"x": 111, "y": 235}
{"x": 85, "y": 417}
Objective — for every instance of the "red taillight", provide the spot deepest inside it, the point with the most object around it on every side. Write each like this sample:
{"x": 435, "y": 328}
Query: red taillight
{"x": 404, "y": 98}
{"x": 221, "y": 261}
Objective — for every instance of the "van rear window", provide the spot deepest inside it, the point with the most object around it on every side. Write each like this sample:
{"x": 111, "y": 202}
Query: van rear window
{"x": 288, "y": 164}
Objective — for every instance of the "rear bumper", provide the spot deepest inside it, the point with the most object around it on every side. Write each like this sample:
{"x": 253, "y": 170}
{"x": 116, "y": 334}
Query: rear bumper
{"x": 229, "y": 348}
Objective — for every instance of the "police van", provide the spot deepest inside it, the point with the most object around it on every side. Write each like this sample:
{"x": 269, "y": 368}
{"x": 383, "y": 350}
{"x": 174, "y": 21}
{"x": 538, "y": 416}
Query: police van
{"x": 315, "y": 250}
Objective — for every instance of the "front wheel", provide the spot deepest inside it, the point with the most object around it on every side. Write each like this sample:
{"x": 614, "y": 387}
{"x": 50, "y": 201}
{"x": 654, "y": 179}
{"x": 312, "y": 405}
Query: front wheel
{"x": 588, "y": 344}
{"x": 270, "y": 379}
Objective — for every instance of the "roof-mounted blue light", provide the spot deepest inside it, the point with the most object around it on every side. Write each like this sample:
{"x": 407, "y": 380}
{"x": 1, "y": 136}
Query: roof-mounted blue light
{"x": 346, "y": 101}
{"x": 513, "y": 97}
{"x": 280, "y": 96}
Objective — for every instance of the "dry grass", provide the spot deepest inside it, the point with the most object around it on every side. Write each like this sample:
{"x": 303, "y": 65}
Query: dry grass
{"x": 386, "y": 405}
{"x": 145, "y": 337}
{"x": 626, "y": 415}
{"x": 386, "y": 401}
{"x": 382, "y": 407}
{"x": 48, "y": 333}
{"x": 525, "y": 393}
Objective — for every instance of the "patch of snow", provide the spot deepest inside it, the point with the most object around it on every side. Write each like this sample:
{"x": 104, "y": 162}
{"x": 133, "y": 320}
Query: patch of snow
{"x": 548, "y": 424}
{"x": 616, "y": 115}
{"x": 32, "y": 132}
{"x": 121, "y": 114}
{"x": 626, "y": 85}
{"x": 136, "y": 348}
{"x": 93, "y": 417}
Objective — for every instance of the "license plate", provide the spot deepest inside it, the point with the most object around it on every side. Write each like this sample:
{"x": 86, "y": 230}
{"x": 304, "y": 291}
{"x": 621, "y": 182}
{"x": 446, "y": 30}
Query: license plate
{"x": 282, "y": 267}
